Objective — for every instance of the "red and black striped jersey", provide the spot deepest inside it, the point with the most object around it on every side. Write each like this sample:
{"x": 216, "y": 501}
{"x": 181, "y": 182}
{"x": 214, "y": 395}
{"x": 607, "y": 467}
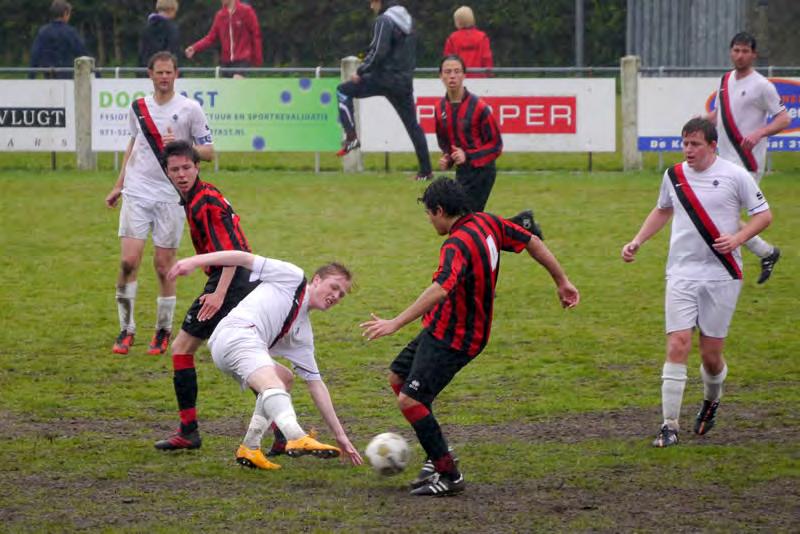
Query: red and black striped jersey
{"x": 470, "y": 126}
{"x": 213, "y": 224}
{"x": 469, "y": 262}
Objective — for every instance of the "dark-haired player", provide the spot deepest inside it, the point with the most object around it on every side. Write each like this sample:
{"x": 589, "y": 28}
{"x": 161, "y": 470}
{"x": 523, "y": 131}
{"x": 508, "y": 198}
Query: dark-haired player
{"x": 456, "y": 312}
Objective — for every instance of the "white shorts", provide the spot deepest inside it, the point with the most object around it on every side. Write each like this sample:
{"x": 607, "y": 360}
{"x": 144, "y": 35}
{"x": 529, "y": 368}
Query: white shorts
{"x": 138, "y": 217}
{"x": 706, "y": 304}
{"x": 238, "y": 351}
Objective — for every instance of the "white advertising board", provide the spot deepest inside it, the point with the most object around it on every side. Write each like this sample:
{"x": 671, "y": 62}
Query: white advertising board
{"x": 534, "y": 115}
{"x": 665, "y": 104}
{"x": 37, "y": 115}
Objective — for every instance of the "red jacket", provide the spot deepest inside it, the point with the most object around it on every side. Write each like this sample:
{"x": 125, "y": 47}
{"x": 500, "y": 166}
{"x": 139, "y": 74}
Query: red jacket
{"x": 238, "y": 34}
{"x": 473, "y": 46}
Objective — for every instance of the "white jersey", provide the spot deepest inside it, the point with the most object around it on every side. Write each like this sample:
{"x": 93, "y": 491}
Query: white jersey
{"x": 144, "y": 177}
{"x": 267, "y": 307}
{"x": 752, "y": 99}
{"x": 724, "y": 189}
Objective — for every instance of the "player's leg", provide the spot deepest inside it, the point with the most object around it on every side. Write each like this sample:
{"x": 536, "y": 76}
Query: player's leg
{"x": 346, "y": 93}
{"x": 167, "y": 231}
{"x": 279, "y": 439}
{"x": 769, "y": 254}
{"x": 477, "y": 183}
{"x": 403, "y": 103}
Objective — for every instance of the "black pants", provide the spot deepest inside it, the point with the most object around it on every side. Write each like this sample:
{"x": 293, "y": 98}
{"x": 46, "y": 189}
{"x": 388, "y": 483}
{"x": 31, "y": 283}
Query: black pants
{"x": 477, "y": 183}
{"x": 401, "y": 101}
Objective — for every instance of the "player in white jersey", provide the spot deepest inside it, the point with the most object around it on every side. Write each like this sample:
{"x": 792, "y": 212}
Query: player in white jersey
{"x": 273, "y": 320}
{"x": 703, "y": 196}
{"x": 745, "y": 100}
{"x": 150, "y": 201}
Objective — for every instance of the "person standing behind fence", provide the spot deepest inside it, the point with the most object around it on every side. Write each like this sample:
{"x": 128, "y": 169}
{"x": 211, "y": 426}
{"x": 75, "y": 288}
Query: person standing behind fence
{"x": 57, "y": 44}
{"x": 469, "y": 43}
{"x": 387, "y": 70}
{"x": 236, "y": 29}
{"x": 160, "y": 32}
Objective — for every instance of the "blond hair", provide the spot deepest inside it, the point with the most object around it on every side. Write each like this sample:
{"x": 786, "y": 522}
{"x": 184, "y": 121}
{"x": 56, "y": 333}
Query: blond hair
{"x": 167, "y": 5}
{"x": 463, "y": 17}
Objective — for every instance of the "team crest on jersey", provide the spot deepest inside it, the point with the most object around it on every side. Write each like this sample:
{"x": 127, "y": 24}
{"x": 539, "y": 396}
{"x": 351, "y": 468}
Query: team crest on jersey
{"x": 715, "y": 182}
{"x": 444, "y": 115}
{"x": 175, "y": 117}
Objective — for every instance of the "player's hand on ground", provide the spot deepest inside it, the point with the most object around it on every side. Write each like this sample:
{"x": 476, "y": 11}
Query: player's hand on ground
{"x": 629, "y": 251}
{"x": 726, "y": 243}
{"x": 457, "y": 155}
{"x": 181, "y": 268}
{"x": 349, "y": 453}
{"x": 444, "y": 162}
{"x": 189, "y": 52}
{"x": 113, "y": 197}
{"x": 168, "y": 137}
{"x": 211, "y": 303}
{"x": 568, "y": 295}
{"x": 378, "y": 327}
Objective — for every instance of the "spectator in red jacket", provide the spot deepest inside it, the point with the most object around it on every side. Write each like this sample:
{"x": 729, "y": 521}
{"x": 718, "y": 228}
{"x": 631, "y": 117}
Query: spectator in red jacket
{"x": 236, "y": 29}
{"x": 469, "y": 43}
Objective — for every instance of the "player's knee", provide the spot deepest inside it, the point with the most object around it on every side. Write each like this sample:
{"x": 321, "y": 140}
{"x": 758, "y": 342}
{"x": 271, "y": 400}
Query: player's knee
{"x": 395, "y": 379}
{"x": 128, "y": 266}
{"x": 404, "y": 402}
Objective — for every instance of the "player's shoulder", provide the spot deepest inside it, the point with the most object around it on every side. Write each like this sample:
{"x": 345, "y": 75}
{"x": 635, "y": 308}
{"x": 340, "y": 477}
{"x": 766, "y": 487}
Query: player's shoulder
{"x": 728, "y": 168}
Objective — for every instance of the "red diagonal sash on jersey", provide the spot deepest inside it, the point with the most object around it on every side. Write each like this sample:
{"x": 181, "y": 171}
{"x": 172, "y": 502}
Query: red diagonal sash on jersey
{"x": 149, "y": 130}
{"x": 700, "y": 218}
{"x": 729, "y": 125}
{"x": 299, "y": 295}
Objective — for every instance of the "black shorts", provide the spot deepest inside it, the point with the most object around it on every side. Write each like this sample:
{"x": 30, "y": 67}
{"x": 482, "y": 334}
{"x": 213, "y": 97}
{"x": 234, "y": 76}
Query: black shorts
{"x": 238, "y": 65}
{"x": 427, "y": 365}
{"x": 240, "y": 287}
{"x": 477, "y": 183}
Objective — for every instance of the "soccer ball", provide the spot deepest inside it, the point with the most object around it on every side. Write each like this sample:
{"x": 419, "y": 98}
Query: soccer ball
{"x": 388, "y": 453}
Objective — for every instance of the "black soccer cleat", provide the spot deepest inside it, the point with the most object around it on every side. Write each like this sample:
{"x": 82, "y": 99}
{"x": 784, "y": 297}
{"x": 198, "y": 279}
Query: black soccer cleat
{"x": 180, "y": 441}
{"x": 348, "y": 145}
{"x": 526, "y": 220}
{"x": 441, "y": 485}
{"x": 706, "y": 417}
{"x": 667, "y": 437}
{"x": 768, "y": 264}
{"x": 424, "y": 475}
{"x": 422, "y": 177}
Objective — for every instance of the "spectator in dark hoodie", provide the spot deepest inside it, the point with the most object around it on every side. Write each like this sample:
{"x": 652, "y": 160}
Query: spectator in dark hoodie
{"x": 57, "y": 44}
{"x": 387, "y": 70}
{"x": 160, "y": 33}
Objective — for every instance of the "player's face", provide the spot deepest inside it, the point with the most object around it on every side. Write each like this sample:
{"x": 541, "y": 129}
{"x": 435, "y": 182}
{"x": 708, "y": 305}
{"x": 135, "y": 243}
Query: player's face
{"x": 742, "y": 56}
{"x": 163, "y": 75}
{"x": 183, "y": 172}
{"x": 324, "y": 293}
{"x": 375, "y": 6}
{"x": 438, "y": 220}
{"x": 698, "y": 152}
{"x": 452, "y": 75}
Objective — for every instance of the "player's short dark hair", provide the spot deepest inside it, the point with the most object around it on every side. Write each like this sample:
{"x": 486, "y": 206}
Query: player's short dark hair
{"x": 59, "y": 8}
{"x": 744, "y": 38}
{"x": 446, "y": 194}
{"x": 332, "y": 269}
{"x": 699, "y": 124}
{"x": 163, "y": 55}
{"x": 180, "y": 148}
{"x": 452, "y": 57}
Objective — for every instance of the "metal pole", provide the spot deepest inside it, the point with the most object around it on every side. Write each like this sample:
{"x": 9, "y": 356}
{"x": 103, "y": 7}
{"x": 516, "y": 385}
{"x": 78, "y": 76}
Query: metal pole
{"x": 116, "y": 154}
{"x": 579, "y": 30}
{"x": 317, "y": 73}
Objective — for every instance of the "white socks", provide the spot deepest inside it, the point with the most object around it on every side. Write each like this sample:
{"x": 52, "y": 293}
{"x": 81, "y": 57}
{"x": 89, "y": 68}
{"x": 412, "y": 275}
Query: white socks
{"x": 276, "y": 405}
{"x": 673, "y": 383}
{"x": 126, "y": 297}
{"x": 255, "y": 432}
{"x": 759, "y": 247}
{"x": 712, "y": 384}
{"x": 165, "y": 311}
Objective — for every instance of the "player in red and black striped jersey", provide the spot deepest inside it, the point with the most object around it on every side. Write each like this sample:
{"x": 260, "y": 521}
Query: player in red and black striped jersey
{"x": 457, "y": 318}
{"x": 214, "y": 226}
{"x": 470, "y": 139}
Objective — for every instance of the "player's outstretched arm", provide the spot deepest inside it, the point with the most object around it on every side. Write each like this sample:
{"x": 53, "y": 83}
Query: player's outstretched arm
{"x": 222, "y": 258}
{"x": 378, "y": 327}
{"x": 322, "y": 400}
{"x": 654, "y": 222}
{"x": 567, "y": 293}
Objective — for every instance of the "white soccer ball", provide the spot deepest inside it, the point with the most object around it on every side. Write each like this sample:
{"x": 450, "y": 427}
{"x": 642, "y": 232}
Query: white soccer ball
{"x": 388, "y": 453}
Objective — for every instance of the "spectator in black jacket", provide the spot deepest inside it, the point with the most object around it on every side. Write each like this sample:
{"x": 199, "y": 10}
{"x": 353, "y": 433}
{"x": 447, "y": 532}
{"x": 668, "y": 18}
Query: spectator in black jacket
{"x": 388, "y": 70}
{"x": 160, "y": 32}
{"x": 57, "y": 44}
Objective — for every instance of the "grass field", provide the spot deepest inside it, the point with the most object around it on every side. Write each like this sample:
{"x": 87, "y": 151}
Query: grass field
{"x": 552, "y": 422}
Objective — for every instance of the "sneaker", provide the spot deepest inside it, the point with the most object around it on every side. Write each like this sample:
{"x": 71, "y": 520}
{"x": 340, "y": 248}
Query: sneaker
{"x": 348, "y": 145}
{"x": 160, "y": 342}
{"x": 254, "y": 459}
{"x": 180, "y": 441}
{"x": 526, "y": 220}
{"x": 308, "y": 445}
{"x": 422, "y": 177}
{"x": 706, "y": 417}
{"x": 441, "y": 485}
{"x": 123, "y": 343}
{"x": 768, "y": 263}
{"x": 667, "y": 437}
